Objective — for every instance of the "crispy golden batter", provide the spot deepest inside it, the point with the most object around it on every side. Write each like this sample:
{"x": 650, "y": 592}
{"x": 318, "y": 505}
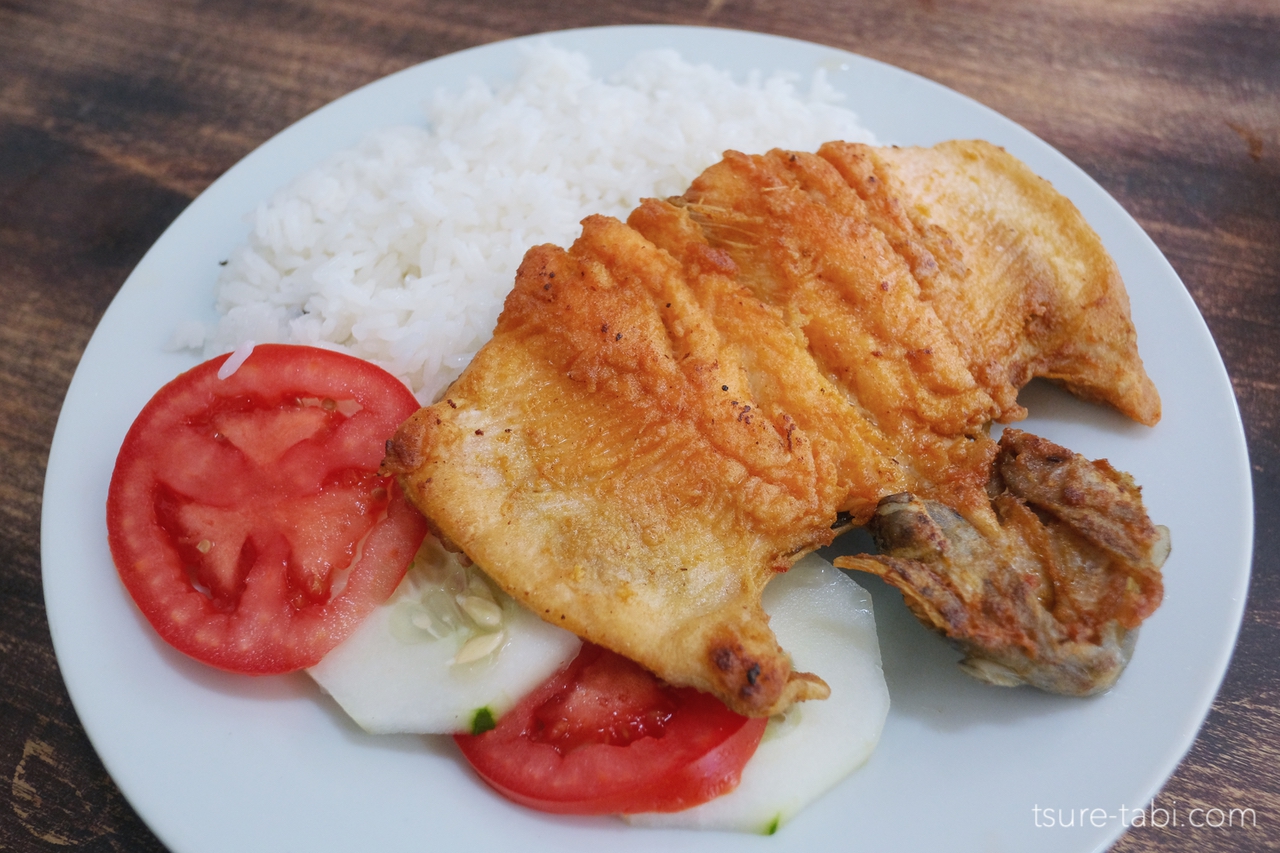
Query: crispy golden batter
{"x": 674, "y": 409}
{"x": 1022, "y": 282}
{"x": 802, "y": 242}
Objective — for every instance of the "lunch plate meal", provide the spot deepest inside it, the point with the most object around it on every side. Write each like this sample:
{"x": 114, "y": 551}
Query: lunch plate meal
{"x": 214, "y": 760}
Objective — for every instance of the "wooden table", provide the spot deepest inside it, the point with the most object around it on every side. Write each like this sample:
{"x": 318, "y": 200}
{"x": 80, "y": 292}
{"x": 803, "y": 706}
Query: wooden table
{"x": 114, "y": 114}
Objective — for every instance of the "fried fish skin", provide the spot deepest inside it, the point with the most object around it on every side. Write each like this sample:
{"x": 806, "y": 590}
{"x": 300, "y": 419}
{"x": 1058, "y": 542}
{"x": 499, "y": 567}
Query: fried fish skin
{"x": 779, "y": 369}
{"x": 602, "y": 460}
{"x": 802, "y": 240}
{"x": 1020, "y": 279}
{"x": 931, "y": 284}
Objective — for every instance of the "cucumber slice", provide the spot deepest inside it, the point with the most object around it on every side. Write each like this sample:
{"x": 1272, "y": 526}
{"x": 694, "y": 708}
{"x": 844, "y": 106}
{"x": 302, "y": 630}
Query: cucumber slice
{"x": 824, "y": 619}
{"x": 446, "y": 653}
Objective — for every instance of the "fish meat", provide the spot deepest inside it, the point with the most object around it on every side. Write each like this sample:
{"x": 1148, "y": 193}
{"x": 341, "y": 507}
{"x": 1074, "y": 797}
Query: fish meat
{"x": 674, "y": 409}
{"x": 1054, "y": 597}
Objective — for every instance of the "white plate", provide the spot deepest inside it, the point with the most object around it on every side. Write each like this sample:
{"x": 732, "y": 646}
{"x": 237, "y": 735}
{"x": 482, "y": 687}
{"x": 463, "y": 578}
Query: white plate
{"x": 217, "y": 763}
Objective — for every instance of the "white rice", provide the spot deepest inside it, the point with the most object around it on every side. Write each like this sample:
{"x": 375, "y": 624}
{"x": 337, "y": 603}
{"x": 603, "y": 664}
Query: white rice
{"x": 402, "y": 249}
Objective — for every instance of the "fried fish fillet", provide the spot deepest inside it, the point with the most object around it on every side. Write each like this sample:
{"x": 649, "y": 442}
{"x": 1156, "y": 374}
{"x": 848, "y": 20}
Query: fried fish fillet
{"x": 601, "y": 460}
{"x": 674, "y": 409}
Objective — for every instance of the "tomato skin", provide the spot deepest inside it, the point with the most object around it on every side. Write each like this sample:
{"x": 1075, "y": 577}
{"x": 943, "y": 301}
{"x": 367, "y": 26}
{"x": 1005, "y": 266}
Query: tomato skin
{"x": 595, "y": 758}
{"x": 245, "y": 515}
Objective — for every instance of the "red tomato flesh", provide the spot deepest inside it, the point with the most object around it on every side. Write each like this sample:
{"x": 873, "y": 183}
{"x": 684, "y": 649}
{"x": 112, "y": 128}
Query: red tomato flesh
{"x": 246, "y": 516}
{"x": 604, "y": 736}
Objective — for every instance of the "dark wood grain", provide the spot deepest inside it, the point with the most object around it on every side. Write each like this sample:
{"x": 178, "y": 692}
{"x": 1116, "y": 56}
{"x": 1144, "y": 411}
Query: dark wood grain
{"x": 114, "y": 115}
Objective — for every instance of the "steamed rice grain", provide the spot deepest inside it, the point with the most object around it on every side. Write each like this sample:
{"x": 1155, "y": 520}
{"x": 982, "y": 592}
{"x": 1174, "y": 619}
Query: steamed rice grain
{"x": 401, "y": 249}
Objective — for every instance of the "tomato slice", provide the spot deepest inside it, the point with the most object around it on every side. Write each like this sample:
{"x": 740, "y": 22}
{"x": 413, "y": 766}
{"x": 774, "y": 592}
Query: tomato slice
{"x": 246, "y": 516}
{"x": 604, "y": 736}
